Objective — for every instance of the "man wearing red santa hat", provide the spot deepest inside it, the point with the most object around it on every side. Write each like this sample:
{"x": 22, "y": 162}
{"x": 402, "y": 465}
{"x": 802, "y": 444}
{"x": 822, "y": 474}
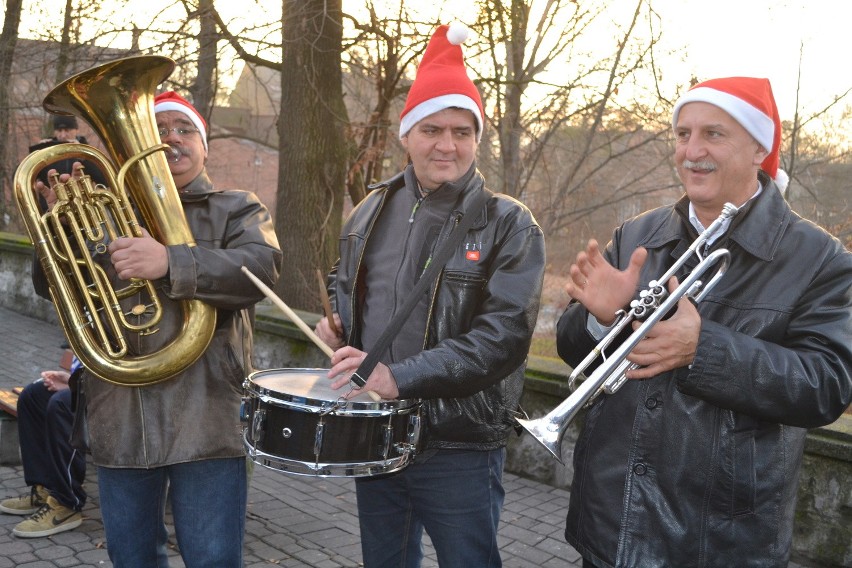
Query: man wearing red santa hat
{"x": 463, "y": 347}
{"x": 695, "y": 460}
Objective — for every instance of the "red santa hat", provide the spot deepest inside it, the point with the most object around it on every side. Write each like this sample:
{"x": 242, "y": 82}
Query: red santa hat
{"x": 750, "y": 102}
{"x": 170, "y": 100}
{"x": 441, "y": 81}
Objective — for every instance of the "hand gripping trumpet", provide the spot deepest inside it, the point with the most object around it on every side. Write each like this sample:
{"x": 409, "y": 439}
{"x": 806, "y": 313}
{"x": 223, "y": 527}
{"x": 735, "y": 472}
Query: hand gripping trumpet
{"x": 653, "y": 304}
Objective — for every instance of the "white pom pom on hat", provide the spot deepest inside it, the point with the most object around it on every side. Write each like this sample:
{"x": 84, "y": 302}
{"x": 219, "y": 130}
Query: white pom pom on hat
{"x": 442, "y": 81}
{"x": 457, "y": 33}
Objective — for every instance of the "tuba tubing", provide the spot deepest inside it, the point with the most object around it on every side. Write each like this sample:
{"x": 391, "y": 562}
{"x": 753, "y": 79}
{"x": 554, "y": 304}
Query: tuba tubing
{"x": 653, "y": 305}
{"x": 116, "y": 99}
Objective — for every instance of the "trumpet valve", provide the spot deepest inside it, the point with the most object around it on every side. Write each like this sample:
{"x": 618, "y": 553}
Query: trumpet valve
{"x": 613, "y": 384}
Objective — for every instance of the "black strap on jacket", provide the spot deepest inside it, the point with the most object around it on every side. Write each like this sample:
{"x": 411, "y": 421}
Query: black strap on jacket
{"x": 437, "y": 263}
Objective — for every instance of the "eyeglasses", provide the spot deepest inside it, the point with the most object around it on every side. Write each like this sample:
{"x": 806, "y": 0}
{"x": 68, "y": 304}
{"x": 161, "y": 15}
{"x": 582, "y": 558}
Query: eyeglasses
{"x": 180, "y": 131}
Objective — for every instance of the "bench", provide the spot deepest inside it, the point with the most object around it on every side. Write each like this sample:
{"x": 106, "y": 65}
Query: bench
{"x": 10, "y": 450}
{"x": 9, "y": 401}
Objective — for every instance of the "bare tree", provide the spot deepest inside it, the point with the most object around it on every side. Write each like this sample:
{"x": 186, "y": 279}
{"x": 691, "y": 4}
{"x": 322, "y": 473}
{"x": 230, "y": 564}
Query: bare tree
{"x": 204, "y": 87}
{"x": 312, "y": 164}
{"x": 8, "y": 39}
{"x": 380, "y": 51}
{"x": 565, "y": 133}
{"x": 801, "y": 151}
{"x": 313, "y": 156}
{"x": 523, "y": 54}
{"x": 65, "y": 42}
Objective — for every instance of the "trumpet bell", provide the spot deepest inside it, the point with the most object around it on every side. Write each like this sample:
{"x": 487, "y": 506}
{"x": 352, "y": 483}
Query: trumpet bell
{"x": 547, "y": 433}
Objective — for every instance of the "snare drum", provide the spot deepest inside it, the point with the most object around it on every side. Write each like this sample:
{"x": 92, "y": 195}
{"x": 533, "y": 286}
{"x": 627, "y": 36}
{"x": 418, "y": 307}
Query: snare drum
{"x": 295, "y": 423}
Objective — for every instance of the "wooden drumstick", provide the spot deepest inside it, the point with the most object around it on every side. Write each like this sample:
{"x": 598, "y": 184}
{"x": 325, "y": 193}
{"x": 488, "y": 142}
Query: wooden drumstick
{"x": 297, "y": 320}
{"x": 326, "y": 305}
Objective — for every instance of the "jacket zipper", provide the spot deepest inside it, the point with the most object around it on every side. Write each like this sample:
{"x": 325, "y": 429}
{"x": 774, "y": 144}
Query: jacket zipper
{"x": 434, "y": 294}
{"x": 354, "y": 295}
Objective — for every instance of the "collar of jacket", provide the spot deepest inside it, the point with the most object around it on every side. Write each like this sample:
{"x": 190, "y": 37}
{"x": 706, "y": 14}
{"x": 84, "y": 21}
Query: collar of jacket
{"x": 198, "y": 189}
{"x": 757, "y": 228}
{"x": 470, "y": 184}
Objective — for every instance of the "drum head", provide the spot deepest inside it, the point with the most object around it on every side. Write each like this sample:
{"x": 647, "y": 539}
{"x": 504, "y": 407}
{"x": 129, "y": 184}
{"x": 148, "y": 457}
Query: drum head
{"x": 312, "y": 387}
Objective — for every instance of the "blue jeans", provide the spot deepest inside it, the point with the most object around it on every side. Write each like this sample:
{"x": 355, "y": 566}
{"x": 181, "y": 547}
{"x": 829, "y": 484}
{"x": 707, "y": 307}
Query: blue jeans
{"x": 208, "y": 499}
{"x": 455, "y": 495}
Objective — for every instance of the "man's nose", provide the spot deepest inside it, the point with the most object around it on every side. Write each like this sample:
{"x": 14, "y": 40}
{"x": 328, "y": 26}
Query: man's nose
{"x": 446, "y": 143}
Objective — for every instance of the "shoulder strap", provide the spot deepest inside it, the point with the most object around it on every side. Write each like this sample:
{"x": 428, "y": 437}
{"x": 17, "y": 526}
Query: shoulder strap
{"x": 438, "y": 261}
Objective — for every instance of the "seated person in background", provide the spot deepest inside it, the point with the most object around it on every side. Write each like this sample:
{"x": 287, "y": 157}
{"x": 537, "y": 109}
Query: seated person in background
{"x": 65, "y": 130}
{"x": 52, "y": 467}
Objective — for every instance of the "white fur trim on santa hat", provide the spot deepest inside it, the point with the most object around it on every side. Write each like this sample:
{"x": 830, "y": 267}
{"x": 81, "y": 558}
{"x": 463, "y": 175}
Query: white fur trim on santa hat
{"x": 755, "y": 121}
{"x": 173, "y": 105}
{"x": 782, "y": 180}
{"x": 431, "y": 106}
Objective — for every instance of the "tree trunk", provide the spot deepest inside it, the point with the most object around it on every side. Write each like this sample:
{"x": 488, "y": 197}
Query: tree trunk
{"x": 312, "y": 164}
{"x": 203, "y": 88}
{"x": 510, "y": 124}
{"x": 64, "y": 45}
{"x": 8, "y": 39}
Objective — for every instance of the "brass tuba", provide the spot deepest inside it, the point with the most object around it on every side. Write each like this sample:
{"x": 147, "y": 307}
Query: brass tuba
{"x": 117, "y": 100}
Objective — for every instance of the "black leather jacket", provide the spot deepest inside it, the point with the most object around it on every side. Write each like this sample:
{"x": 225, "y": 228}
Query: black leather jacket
{"x": 699, "y": 466}
{"x": 480, "y": 322}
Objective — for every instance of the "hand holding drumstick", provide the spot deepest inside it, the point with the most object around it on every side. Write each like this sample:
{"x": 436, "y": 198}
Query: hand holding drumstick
{"x": 347, "y": 360}
{"x": 329, "y": 328}
{"x": 297, "y": 320}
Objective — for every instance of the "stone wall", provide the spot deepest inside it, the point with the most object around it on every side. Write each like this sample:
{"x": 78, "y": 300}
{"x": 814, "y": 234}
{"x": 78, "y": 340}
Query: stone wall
{"x": 823, "y": 535}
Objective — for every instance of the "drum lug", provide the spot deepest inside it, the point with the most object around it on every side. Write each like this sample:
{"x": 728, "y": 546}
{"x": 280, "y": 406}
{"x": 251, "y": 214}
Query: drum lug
{"x": 387, "y": 441}
{"x": 414, "y": 431}
{"x": 258, "y": 425}
{"x": 318, "y": 439}
{"x": 409, "y": 448}
{"x": 245, "y": 412}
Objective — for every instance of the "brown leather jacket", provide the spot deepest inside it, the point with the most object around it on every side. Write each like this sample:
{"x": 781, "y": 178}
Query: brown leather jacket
{"x": 194, "y": 415}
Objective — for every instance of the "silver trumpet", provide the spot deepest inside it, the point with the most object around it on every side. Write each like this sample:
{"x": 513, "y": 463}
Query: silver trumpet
{"x": 653, "y": 304}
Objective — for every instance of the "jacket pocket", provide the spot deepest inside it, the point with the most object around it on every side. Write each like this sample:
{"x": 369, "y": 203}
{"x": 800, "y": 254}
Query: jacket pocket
{"x": 743, "y": 486}
{"x": 458, "y": 298}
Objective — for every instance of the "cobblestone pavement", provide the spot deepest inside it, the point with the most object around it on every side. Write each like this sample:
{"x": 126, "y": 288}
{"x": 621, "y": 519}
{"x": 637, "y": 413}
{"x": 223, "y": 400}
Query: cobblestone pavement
{"x": 293, "y": 521}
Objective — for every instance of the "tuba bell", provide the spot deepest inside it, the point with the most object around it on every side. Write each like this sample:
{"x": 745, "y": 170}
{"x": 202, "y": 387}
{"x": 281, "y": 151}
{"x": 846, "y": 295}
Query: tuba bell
{"x": 117, "y": 100}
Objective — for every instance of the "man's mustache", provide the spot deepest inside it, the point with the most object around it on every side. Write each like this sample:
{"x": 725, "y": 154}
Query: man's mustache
{"x": 690, "y": 165}
{"x": 175, "y": 152}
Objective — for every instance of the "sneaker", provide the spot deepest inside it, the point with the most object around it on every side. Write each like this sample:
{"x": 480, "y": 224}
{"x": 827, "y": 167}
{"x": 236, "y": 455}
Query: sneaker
{"x": 25, "y": 504}
{"x": 52, "y": 518}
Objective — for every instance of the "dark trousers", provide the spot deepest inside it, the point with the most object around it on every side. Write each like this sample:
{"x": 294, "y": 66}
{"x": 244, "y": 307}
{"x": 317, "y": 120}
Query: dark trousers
{"x": 456, "y": 496}
{"x": 44, "y": 430}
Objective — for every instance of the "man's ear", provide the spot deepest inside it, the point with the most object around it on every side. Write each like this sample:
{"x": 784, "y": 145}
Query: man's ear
{"x": 759, "y": 155}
